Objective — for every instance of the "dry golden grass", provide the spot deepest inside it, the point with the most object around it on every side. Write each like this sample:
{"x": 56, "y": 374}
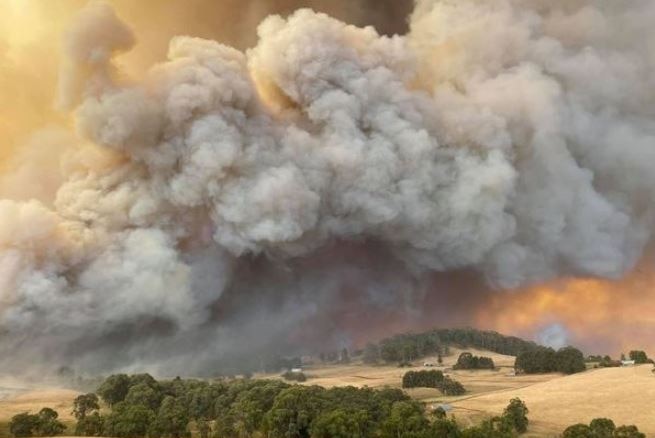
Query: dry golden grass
{"x": 626, "y": 395}
{"x": 17, "y": 397}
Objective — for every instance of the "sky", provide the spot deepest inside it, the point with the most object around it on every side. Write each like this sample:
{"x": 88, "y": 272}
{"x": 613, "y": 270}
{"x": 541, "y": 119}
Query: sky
{"x": 311, "y": 178}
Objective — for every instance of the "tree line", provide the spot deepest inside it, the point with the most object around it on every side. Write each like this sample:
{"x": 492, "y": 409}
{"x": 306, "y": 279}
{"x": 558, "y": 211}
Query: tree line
{"x": 140, "y": 406}
{"x": 246, "y": 408}
{"x": 602, "y": 428}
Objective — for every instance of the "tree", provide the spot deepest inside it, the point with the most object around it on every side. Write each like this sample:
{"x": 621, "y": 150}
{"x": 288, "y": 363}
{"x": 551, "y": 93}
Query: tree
{"x": 602, "y": 428}
{"x": 47, "y": 424}
{"x": 423, "y": 378}
{"x": 345, "y": 357}
{"x": 577, "y": 431}
{"x": 341, "y": 424}
{"x": 467, "y": 361}
{"x": 114, "y": 389}
{"x": 497, "y": 427}
{"x": 406, "y": 419}
{"x": 444, "y": 428}
{"x": 171, "y": 419}
{"x": 449, "y": 386}
{"x": 44, "y": 423}
{"x": 23, "y": 425}
{"x": 143, "y": 394}
{"x": 638, "y": 356}
{"x": 371, "y": 354}
{"x": 537, "y": 360}
{"x": 517, "y": 414}
{"x": 569, "y": 360}
{"x": 91, "y": 425}
{"x": 293, "y": 411}
{"x": 129, "y": 421}
{"x": 85, "y": 404}
{"x": 628, "y": 432}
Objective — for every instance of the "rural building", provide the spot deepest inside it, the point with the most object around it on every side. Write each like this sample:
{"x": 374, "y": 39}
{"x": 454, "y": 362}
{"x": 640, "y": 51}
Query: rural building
{"x": 627, "y": 363}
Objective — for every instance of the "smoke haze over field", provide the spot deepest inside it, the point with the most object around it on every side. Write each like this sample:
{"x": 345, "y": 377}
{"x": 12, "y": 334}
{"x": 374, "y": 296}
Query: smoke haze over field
{"x": 319, "y": 180}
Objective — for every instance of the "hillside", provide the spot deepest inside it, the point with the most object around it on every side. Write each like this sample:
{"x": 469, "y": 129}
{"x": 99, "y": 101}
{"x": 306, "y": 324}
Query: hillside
{"x": 20, "y": 396}
{"x": 555, "y": 401}
{"x": 625, "y": 395}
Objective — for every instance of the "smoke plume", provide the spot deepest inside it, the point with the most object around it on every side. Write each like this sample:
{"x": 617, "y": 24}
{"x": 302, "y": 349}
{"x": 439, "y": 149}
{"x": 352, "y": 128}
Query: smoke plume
{"x": 213, "y": 204}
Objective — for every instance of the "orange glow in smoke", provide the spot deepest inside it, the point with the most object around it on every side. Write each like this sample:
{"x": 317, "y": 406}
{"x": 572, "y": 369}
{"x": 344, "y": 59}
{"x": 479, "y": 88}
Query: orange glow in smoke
{"x": 601, "y": 316}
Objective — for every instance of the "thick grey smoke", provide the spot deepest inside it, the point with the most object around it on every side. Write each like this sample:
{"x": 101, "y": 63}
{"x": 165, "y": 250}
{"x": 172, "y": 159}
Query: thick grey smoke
{"x": 220, "y": 197}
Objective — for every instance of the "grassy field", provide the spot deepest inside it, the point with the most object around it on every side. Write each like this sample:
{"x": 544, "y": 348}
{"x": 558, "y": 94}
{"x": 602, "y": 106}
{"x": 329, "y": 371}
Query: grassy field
{"x": 627, "y": 395}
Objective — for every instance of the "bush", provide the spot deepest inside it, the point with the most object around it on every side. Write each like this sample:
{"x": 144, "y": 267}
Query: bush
{"x": 294, "y": 376}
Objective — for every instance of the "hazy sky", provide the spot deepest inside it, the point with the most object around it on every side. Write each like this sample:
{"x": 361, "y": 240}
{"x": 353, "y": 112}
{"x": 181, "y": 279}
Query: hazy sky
{"x": 465, "y": 172}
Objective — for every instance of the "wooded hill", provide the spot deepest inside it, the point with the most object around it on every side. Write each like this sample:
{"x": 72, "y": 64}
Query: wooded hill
{"x": 413, "y": 346}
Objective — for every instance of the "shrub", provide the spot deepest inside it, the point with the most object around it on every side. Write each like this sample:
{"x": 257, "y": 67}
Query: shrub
{"x": 294, "y": 376}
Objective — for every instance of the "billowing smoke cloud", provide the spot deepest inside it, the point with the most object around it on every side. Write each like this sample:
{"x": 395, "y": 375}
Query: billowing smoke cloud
{"x": 226, "y": 197}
